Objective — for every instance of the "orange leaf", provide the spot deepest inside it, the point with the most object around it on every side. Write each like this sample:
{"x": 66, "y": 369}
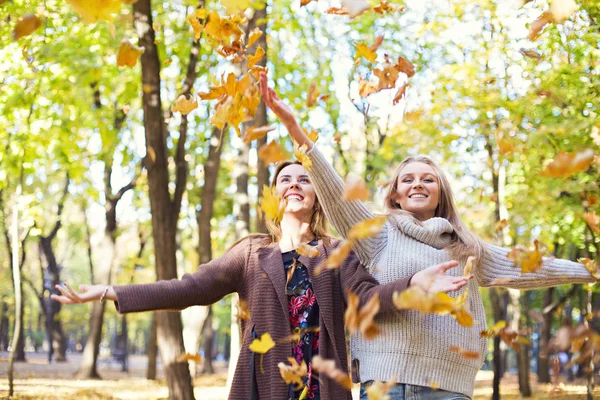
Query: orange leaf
{"x": 367, "y": 228}
{"x": 185, "y": 357}
{"x": 293, "y": 374}
{"x": 312, "y": 94}
{"x": 385, "y": 7}
{"x": 388, "y": 76}
{"x": 474, "y": 355}
{"x": 405, "y": 66}
{"x": 306, "y": 2}
{"x": 336, "y": 11}
{"x": 260, "y": 52}
{"x": 362, "y": 320}
{"x": 528, "y": 259}
{"x": 185, "y": 106}
{"x": 400, "y": 93}
{"x": 128, "y": 54}
{"x": 337, "y": 256}
{"x": 256, "y": 133}
{"x": 307, "y": 250}
{"x": 272, "y": 153}
{"x": 591, "y": 266}
{"x": 539, "y": 24}
{"x": 500, "y": 225}
{"x": 567, "y": 164}
{"x": 365, "y": 88}
{"x": 593, "y": 221}
{"x": 530, "y": 53}
{"x": 355, "y": 189}
{"x": 327, "y": 368}
{"x": 379, "y": 390}
{"x": 415, "y": 298}
{"x": 26, "y": 26}
{"x": 243, "y": 313}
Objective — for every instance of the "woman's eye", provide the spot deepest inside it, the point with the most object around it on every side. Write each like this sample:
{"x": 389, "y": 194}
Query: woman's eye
{"x": 407, "y": 180}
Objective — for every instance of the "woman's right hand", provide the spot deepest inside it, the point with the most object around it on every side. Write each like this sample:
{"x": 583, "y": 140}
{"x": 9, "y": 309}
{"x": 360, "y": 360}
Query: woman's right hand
{"x": 283, "y": 112}
{"x": 88, "y": 293}
{"x": 434, "y": 278}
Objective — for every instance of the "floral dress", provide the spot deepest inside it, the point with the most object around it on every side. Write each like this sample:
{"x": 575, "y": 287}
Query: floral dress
{"x": 304, "y": 321}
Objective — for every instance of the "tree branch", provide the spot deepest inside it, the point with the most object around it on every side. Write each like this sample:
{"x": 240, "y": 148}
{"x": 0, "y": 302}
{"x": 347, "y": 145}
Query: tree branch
{"x": 552, "y": 307}
{"x": 61, "y": 206}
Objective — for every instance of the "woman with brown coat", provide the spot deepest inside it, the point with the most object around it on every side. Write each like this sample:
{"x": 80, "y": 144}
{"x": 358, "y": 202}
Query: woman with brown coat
{"x": 283, "y": 293}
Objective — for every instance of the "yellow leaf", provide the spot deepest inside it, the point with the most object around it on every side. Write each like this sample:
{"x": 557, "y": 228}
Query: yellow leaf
{"x": 355, "y": 7}
{"x": 385, "y": 7}
{"x": 243, "y": 313}
{"x": 313, "y": 135}
{"x": 562, "y": 9}
{"x": 272, "y": 204}
{"x": 568, "y": 164}
{"x": 355, "y": 189}
{"x": 196, "y": 26}
{"x": 185, "y": 106}
{"x": 528, "y": 259}
{"x": 93, "y": 10}
{"x": 327, "y": 368}
{"x": 262, "y": 345}
{"x": 469, "y": 266}
{"x": 539, "y": 24}
{"x": 185, "y": 357}
{"x": 307, "y": 250}
{"x": 500, "y": 225}
{"x": 256, "y": 70}
{"x": 256, "y": 133}
{"x": 362, "y": 320}
{"x": 593, "y": 221}
{"x": 591, "y": 266}
{"x": 151, "y": 153}
{"x": 26, "y": 26}
{"x": 474, "y": 355}
{"x": 253, "y": 36}
{"x": 293, "y": 374}
{"x": 272, "y": 153}
{"x": 415, "y": 298}
{"x": 312, "y": 94}
{"x": 337, "y": 256}
{"x": 128, "y": 54}
{"x": 300, "y": 153}
{"x": 379, "y": 390}
{"x": 367, "y": 228}
{"x": 260, "y": 52}
{"x": 368, "y": 52}
{"x": 235, "y": 6}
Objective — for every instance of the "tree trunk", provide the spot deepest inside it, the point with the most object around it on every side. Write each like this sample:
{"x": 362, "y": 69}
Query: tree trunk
{"x": 498, "y": 309}
{"x": 545, "y": 336}
{"x": 151, "y": 350}
{"x": 207, "y": 337}
{"x": 16, "y": 272}
{"x": 4, "y": 327}
{"x": 165, "y": 212}
{"x": 523, "y": 364}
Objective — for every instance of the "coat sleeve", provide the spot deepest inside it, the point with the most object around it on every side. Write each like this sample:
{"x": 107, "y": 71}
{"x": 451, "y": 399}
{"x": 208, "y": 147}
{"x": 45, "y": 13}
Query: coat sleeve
{"x": 497, "y": 270}
{"x": 356, "y": 279}
{"x": 211, "y": 282}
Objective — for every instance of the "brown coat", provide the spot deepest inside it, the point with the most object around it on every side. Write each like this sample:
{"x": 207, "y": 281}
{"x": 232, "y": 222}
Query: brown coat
{"x": 255, "y": 270}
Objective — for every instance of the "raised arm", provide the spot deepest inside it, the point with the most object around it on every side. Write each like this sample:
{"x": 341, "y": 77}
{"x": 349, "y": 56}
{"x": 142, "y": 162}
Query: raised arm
{"x": 328, "y": 184}
{"x": 210, "y": 283}
{"x": 497, "y": 270}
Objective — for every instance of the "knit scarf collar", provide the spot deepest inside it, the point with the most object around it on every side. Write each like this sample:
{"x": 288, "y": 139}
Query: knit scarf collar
{"x": 435, "y": 232}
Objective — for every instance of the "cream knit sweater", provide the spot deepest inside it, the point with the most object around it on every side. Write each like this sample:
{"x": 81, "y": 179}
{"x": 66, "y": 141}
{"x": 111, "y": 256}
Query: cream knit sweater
{"x": 412, "y": 348}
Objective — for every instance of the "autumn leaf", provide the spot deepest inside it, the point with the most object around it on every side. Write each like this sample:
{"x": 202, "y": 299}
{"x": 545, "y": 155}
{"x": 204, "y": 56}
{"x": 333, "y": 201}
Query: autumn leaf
{"x": 539, "y": 24}
{"x": 500, "y": 225}
{"x": 293, "y": 373}
{"x": 405, "y": 66}
{"x": 300, "y": 154}
{"x": 355, "y": 189}
{"x": 304, "y": 3}
{"x": 568, "y": 164}
{"x": 26, "y": 26}
{"x": 388, "y": 76}
{"x": 591, "y": 266}
{"x": 253, "y": 59}
{"x": 313, "y": 135}
{"x": 530, "y": 53}
{"x": 468, "y": 270}
{"x": 593, "y": 221}
{"x": 253, "y": 36}
{"x": 355, "y": 7}
{"x": 362, "y": 320}
{"x": 400, "y": 93}
{"x": 365, "y": 88}
{"x": 337, "y": 256}
{"x": 415, "y": 298}
{"x": 379, "y": 390}
{"x": 262, "y": 345}
{"x": 307, "y": 250}
{"x": 256, "y": 70}
{"x": 562, "y": 9}
{"x": 185, "y": 357}
{"x": 196, "y": 26}
{"x": 367, "y": 228}
{"x": 312, "y": 95}
{"x": 272, "y": 153}
{"x": 128, "y": 54}
{"x": 151, "y": 153}
{"x": 93, "y": 10}
{"x": 328, "y": 369}
{"x": 368, "y": 52}
{"x": 271, "y": 204}
{"x": 473, "y": 355}
{"x": 385, "y": 7}
{"x": 336, "y": 11}
{"x": 290, "y": 274}
{"x": 256, "y": 133}
{"x": 528, "y": 259}
{"x": 235, "y": 6}
{"x": 243, "y": 313}
{"x": 185, "y": 106}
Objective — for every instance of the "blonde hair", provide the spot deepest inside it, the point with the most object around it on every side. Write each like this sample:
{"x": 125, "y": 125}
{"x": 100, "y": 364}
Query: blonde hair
{"x": 465, "y": 243}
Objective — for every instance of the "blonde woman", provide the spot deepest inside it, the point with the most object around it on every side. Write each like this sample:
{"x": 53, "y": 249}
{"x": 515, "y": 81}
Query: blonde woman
{"x": 283, "y": 294}
{"x": 423, "y": 228}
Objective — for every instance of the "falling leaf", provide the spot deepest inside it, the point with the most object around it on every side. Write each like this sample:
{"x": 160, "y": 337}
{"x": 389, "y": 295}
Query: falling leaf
{"x": 493, "y": 330}
{"x": 271, "y": 204}
{"x": 539, "y": 24}
{"x": 388, "y": 76}
{"x": 262, "y": 345}
{"x": 500, "y": 225}
{"x": 243, "y": 313}
{"x": 26, "y": 26}
{"x": 307, "y": 250}
{"x": 151, "y": 153}
{"x": 379, "y": 390}
{"x": 196, "y": 26}
{"x": 272, "y": 153}
{"x": 365, "y": 88}
{"x": 313, "y": 135}
{"x": 235, "y": 6}
{"x": 530, "y": 53}
{"x": 568, "y": 164}
{"x": 528, "y": 259}
{"x": 368, "y": 52}
{"x": 405, "y": 66}
{"x": 290, "y": 274}
{"x": 328, "y": 369}
{"x": 355, "y": 7}
{"x": 260, "y": 52}
{"x": 385, "y": 7}
{"x": 362, "y": 320}
{"x": 128, "y": 54}
{"x": 434, "y": 385}
{"x": 337, "y": 256}
{"x": 474, "y": 355}
{"x": 562, "y": 9}
{"x": 468, "y": 270}
{"x": 185, "y": 106}
{"x": 93, "y": 10}
{"x": 253, "y": 36}
{"x": 336, "y": 11}
{"x": 355, "y": 189}
{"x": 256, "y": 133}
{"x": 591, "y": 266}
{"x": 400, "y": 93}
{"x": 256, "y": 70}
{"x": 185, "y": 357}
{"x": 293, "y": 374}
{"x": 304, "y": 3}
{"x": 300, "y": 154}
{"x": 593, "y": 221}
{"x": 312, "y": 95}
{"x": 415, "y": 298}
{"x": 367, "y": 228}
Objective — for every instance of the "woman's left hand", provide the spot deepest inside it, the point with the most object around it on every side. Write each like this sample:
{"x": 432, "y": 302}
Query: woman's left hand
{"x": 434, "y": 278}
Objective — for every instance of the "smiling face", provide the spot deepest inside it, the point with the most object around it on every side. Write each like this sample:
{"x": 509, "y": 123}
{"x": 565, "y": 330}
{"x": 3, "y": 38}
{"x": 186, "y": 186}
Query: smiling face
{"x": 294, "y": 185}
{"x": 418, "y": 189}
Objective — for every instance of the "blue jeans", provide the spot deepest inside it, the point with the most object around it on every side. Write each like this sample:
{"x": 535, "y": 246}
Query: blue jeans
{"x": 413, "y": 392}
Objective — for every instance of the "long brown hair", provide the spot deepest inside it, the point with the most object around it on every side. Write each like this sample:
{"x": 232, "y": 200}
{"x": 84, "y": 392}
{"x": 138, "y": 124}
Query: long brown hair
{"x": 465, "y": 243}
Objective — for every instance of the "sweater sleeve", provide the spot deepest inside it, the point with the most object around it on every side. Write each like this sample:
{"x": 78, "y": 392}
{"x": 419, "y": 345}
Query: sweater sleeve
{"x": 355, "y": 278}
{"x": 497, "y": 270}
{"x": 210, "y": 283}
{"x": 342, "y": 214}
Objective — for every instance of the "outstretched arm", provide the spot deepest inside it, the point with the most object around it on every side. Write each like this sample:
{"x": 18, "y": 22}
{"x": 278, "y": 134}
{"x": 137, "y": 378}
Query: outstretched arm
{"x": 329, "y": 186}
{"x": 210, "y": 283}
{"x": 497, "y": 270}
